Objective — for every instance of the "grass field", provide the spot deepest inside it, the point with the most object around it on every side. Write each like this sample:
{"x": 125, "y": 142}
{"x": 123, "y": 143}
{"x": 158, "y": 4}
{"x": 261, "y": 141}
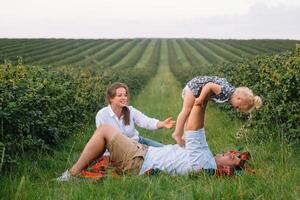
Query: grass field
{"x": 276, "y": 162}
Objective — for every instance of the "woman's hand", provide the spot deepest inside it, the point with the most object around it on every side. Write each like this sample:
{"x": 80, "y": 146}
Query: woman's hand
{"x": 167, "y": 123}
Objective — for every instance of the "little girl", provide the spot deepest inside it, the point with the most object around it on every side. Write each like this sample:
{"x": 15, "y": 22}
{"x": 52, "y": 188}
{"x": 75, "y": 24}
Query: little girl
{"x": 201, "y": 88}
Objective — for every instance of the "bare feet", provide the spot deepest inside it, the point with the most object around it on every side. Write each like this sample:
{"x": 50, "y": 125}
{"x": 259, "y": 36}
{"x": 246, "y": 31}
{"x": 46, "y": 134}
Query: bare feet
{"x": 178, "y": 139}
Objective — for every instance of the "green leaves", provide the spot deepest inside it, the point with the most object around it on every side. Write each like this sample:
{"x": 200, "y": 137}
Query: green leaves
{"x": 40, "y": 107}
{"x": 276, "y": 78}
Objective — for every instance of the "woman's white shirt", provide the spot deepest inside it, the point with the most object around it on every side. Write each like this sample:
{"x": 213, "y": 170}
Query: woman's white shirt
{"x": 107, "y": 116}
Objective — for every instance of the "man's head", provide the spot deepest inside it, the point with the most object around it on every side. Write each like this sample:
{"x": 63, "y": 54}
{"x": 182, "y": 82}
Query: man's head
{"x": 230, "y": 161}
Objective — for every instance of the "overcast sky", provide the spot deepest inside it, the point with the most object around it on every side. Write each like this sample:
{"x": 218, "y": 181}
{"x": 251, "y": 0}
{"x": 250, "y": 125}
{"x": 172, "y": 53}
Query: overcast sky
{"x": 239, "y": 19}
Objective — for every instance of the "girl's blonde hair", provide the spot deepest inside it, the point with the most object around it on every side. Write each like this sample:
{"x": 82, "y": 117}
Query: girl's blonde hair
{"x": 250, "y": 100}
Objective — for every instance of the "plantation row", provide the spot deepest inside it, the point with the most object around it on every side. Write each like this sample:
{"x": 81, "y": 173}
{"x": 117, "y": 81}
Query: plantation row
{"x": 128, "y": 52}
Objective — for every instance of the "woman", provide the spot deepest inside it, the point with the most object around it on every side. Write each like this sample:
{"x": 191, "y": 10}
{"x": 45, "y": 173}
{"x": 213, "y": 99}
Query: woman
{"x": 123, "y": 117}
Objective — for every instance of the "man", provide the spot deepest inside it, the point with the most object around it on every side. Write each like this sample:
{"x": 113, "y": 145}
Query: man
{"x": 131, "y": 156}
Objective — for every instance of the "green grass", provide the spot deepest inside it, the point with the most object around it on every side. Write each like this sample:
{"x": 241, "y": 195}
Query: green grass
{"x": 277, "y": 164}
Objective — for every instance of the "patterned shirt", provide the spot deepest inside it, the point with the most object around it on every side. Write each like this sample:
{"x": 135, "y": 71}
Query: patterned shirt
{"x": 197, "y": 83}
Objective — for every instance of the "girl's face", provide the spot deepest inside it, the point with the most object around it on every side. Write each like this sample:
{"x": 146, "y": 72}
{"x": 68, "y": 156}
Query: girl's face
{"x": 121, "y": 98}
{"x": 239, "y": 103}
{"x": 236, "y": 102}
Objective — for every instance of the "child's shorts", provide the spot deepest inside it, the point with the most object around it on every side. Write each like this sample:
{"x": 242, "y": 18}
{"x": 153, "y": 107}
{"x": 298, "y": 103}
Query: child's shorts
{"x": 184, "y": 91}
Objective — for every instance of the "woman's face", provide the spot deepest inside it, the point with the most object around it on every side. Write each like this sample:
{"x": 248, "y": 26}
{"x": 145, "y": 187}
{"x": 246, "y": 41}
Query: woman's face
{"x": 121, "y": 98}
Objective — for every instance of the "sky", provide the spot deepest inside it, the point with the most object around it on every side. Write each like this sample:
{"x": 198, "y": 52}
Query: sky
{"x": 220, "y": 19}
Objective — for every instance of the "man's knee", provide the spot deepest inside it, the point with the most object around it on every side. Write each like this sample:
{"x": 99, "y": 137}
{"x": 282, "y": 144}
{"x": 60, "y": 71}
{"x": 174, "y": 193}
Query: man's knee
{"x": 104, "y": 128}
{"x": 107, "y": 130}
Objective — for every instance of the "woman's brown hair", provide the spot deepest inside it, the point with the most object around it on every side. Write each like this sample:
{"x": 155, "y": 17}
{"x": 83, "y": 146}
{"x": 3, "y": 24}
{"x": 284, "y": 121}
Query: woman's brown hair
{"x": 111, "y": 93}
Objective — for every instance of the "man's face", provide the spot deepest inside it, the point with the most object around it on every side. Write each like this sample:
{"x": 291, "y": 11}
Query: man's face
{"x": 227, "y": 159}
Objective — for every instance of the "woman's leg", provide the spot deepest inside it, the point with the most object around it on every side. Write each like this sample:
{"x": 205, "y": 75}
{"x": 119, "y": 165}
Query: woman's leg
{"x": 149, "y": 142}
{"x": 95, "y": 147}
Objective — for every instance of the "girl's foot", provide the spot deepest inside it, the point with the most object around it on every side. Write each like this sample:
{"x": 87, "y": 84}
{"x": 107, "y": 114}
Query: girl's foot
{"x": 178, "y": 139}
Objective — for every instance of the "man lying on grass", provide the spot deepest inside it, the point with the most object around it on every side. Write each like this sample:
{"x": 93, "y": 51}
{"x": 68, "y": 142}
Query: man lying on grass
{"x": 131, "y": 156}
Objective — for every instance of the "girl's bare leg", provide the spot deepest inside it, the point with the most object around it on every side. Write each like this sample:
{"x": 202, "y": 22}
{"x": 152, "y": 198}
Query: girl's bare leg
{"x": 188, "y": 103}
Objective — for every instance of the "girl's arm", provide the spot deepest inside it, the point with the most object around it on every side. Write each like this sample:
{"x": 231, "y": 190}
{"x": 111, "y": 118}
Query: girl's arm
{"x": 206, "y": 92}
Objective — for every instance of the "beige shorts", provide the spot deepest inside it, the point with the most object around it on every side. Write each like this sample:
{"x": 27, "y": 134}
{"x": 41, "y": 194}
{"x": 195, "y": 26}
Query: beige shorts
{"x": 127, "y": 153}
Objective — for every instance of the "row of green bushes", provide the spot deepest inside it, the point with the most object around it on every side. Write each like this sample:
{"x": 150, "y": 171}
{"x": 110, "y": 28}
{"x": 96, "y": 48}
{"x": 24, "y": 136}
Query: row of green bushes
{"x": 276, "y": 78}
{"x": 39, "y": 107}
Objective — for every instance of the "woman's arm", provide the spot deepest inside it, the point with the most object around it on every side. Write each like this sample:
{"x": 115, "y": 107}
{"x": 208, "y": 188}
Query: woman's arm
{"x": 99, "y": 118}
{"x": 167, "y": 123}
{"x": 144, "y": 121}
